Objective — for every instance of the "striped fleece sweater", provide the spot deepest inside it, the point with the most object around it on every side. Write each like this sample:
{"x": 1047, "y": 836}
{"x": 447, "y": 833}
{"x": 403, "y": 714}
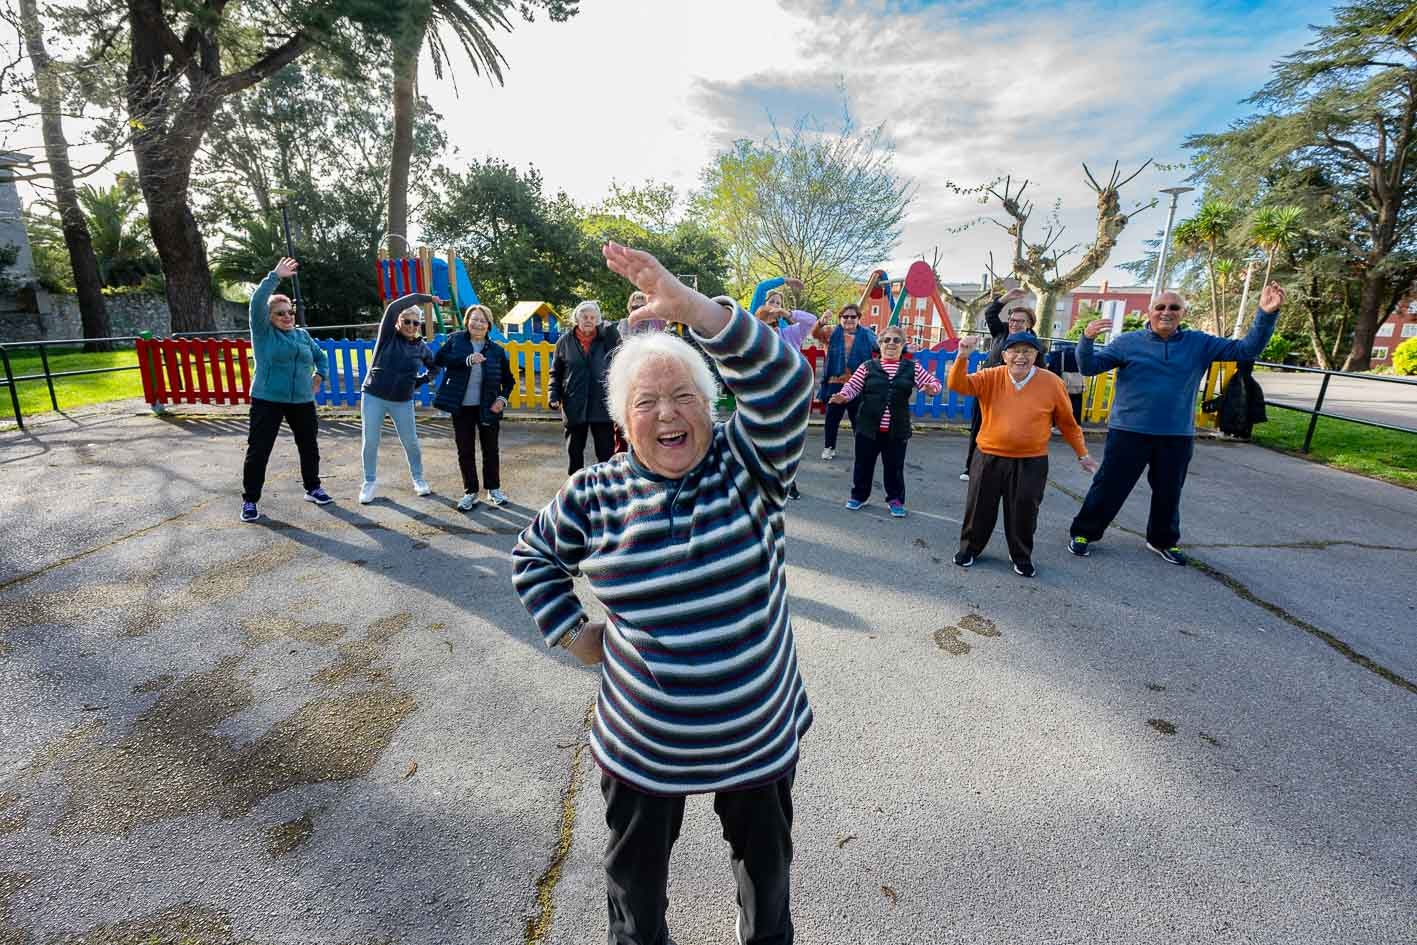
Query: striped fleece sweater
{"x": 699, "y": 690}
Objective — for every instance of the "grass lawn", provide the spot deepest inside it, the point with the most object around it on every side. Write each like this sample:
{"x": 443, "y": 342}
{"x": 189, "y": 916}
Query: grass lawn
{"x": 72, "y": 391}
{"x": 1381, "y": 454}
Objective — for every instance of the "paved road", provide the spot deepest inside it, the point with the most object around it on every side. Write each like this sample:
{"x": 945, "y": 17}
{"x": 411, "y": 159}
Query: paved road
{"x": 340, "y": 727}
{"x": 1380, "y": 401}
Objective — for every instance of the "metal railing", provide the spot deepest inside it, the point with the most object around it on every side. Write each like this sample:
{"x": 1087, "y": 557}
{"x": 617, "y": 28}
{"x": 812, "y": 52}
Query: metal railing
{"x": 1317, "y": 410}
{"x": 12, "y": 381}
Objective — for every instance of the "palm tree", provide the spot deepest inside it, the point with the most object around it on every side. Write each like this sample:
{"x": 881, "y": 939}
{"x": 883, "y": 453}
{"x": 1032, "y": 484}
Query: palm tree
{"x": 1275, "y": 230}
{"x": 1208, "y": 229}
{"x": 246, "y": 256}
{"x": 472, "y": 23}
{"x": 120, "y": 233}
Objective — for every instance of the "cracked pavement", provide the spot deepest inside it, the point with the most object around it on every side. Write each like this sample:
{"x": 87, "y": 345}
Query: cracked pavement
{"x": 339, "y": 726}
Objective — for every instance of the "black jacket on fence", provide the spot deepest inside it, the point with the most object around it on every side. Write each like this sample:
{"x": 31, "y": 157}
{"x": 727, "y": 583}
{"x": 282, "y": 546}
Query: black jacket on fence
{"x": 1241, "y": 405}
{"x": 497, "y": 376}
{"x": 578, "y": 376}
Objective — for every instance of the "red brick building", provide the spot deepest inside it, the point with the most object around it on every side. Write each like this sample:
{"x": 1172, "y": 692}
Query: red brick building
{"x": 1400, "y": 325}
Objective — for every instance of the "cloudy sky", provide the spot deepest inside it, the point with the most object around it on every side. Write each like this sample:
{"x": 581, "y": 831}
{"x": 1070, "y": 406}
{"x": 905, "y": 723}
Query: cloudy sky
{"x": 637, "y": 89}
{"x": 631, "y": 90}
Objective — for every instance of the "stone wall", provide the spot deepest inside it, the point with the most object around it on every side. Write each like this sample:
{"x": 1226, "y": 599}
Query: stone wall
{"x": 127, "y": 315}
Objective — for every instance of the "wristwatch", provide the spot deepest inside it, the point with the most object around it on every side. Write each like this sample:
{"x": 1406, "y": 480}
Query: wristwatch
{"x": 569, "y": 637}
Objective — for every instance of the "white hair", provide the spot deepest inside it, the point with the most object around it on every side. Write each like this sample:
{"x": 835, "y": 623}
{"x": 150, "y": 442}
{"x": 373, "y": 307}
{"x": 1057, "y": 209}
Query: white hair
{"x": 587, "y": 306}
{"x": 637, "y": 351}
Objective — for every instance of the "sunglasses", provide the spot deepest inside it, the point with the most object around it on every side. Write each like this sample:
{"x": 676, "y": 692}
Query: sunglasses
{"x": 415, "y": 322}
{"x": 283, "y": 313}
{"x": 850, "y": 317}
{"x": 892, "y": 341}
{"x": 1166, "y": 308}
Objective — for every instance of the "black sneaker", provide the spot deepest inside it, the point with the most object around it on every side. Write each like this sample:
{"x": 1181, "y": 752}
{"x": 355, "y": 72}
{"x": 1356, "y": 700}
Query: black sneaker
{"x": 1025, "y": 568}
{"x": 248, "y": 512}
{"x": 1172, "y": 555}
{"x": 964, "y": 559}
{"x": 792, "y": 492}
{"x": 1078, "y": 546}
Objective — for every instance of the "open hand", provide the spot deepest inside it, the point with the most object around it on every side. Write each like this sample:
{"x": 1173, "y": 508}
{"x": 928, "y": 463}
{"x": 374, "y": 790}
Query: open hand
{"x": 1095, "y": 328}
{"x": 1088, "y": 463}
{"x": 286, "y": 267}
{"x": 315, "y": 383}
{"x": 498, "y": 405}
{"x": 1272, "y": 297}
{"x": 1014, "y": 294}
{"x": 837, "y": 399}
{"x": 669, "y": 298}
{"x": 791, "y": 283}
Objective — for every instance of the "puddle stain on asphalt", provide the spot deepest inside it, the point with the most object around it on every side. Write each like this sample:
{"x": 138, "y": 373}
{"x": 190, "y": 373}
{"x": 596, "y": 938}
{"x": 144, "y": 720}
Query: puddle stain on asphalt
{"x": 1163, "y": 726}
{"x": 171, "y": 763}
{"x": 283, "y": 838}
{"x": 948, "y": 638}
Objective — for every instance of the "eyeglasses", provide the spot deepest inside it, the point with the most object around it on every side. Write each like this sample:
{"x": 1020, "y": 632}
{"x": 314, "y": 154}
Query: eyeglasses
{"x": 892, "y": 341}
{"x": 1164, "y": 307}
{"x": 283, "y": 313}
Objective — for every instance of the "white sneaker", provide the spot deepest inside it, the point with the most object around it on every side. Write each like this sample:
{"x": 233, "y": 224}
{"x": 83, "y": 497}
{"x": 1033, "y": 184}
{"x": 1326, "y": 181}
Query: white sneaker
{"x": 468, "y": 500}
{"x": 421, "y": 487}
{"x": 366, "y": 492}
{"x": 828, "y": 453}
{"x": 964, "y": 477}
{"x": 497, "y": 496}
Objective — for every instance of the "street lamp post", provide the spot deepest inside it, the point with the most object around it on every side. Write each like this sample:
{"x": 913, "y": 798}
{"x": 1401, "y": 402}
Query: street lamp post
{"x": 1160, "y": 285}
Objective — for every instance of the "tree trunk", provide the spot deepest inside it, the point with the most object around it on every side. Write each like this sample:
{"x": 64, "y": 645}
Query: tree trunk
{"x": 1360, "y": 356}
{"x": 1214, "y": 296}
{"x": 1047, "y": 304}
{"x": 1316, "y": 340}
{"x": 93, "y": 312}
{"x": 405, "y": 104}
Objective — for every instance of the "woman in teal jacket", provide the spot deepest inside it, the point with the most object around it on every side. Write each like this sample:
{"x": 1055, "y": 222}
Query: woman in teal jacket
{"x": 290, "y": 367}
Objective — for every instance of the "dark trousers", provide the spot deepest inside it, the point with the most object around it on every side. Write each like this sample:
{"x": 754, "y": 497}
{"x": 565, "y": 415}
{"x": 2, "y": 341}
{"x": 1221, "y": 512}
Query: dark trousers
{"x": 834, "y": 415}
{"x": 757, "y": 823}
{"x": 466, "y": 432}
{"x": 602, "y": 433}
{"x": 1020, "y": 484}
{"x": 892, "y": 454}
{"x": 1077, "y": 406}
{"x": 266, "y": 416}
{"x": 1165, "y": 459}
{"x": 976, "y": 420}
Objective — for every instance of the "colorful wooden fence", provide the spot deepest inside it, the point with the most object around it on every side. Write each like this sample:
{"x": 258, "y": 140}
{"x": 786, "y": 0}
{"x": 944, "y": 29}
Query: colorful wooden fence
{"x": 218, "y": 371}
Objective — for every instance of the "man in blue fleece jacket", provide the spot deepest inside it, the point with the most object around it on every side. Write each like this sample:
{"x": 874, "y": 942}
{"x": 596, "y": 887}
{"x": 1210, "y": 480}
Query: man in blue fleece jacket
{"x": 1152, "y": 425}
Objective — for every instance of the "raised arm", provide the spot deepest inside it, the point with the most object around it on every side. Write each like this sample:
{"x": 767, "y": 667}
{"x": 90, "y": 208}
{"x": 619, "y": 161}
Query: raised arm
{"x": 996, "y": 325}
{"x": 397, "y": 307}
{"x": 771, "y": 383}
{"x": 1092, "y": 361}
{"x": 260, "y": 308}
{"x": 547, "y": 557}
{"x": 760, "y": 293}
{"x": 1250, "y": 347}
{"x": 958, "y": 378}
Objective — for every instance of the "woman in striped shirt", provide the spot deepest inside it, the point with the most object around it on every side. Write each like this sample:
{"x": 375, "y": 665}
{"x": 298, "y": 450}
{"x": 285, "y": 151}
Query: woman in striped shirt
{"x": 883, "y": 418}
{"x": 682, "y": 541}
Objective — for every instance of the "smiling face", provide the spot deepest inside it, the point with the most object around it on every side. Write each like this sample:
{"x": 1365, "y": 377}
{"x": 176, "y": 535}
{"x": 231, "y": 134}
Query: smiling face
{"x": 892, "y": 342}
{"x": 849, "y": 318}
{"x": 1020, "y": 319}
{"x": 282, "y": 313}
{"x": 668, "y": 418}
{"x": 410, "y": 324}
{"x": 476, "y": 325}
{"x": 1019, "y": 359}
{"x": 1167, "y": 310}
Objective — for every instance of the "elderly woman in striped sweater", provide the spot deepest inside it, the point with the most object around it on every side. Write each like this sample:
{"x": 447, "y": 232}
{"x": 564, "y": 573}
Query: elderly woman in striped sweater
{"x": 699, "y": 689}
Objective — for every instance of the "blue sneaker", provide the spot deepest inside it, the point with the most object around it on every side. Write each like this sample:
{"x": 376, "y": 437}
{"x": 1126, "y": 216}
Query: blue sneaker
{"x": 853, "y": 504}
{"x": 319, "y": 496}
{"x": 897, "y": 509}
{"x": 248, "y": 512}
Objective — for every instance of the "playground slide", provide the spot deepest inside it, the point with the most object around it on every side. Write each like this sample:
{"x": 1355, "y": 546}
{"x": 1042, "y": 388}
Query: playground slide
{"x": 459, "y": 290}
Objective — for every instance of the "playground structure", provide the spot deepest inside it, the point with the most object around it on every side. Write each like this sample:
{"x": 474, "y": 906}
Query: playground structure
{"x": 532, "y": 321}
{"x": 444, "y": 276}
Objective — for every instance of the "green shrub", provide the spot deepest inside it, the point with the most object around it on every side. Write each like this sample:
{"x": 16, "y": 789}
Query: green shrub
{"x": 1280, "y": 347}
{"x": 1404, "y": 359}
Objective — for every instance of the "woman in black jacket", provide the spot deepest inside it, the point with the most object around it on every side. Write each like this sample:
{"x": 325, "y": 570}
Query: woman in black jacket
{"x": 578, "y": 375}
{"x": 474, "y": 390}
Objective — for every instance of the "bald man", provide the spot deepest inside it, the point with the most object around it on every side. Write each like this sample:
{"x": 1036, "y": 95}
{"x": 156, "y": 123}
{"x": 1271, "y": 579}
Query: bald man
{"x": 1152, "y": 424}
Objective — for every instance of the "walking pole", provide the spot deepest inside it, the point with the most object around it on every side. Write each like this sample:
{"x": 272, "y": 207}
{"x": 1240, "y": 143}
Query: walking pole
{"x": 290, "y": 251}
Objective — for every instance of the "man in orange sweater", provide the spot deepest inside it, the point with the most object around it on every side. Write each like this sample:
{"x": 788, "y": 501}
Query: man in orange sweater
{"x": 1021, "y": 405}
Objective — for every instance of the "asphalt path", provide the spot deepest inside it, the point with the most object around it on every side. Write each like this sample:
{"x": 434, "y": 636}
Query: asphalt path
{"x": 339, "y": 725}
{"x": 1357, "y": 396}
